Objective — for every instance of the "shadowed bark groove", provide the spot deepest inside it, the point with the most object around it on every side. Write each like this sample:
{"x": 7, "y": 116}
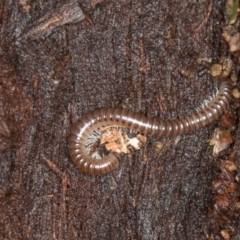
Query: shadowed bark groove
{"x": 60, "y": 60}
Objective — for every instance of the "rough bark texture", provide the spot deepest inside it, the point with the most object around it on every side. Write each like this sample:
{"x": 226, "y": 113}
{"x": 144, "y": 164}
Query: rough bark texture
{"x": 58, "y": 62}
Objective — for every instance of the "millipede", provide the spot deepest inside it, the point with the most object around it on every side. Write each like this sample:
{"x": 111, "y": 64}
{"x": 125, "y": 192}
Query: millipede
{"x": 140, "y": 123}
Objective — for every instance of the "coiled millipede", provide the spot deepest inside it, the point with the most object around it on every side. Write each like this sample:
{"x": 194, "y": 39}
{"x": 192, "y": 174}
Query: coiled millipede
{"x": 152, "y": 126}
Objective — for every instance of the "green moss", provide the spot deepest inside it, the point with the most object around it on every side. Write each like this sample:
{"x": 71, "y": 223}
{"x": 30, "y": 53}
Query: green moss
{"x": 233, "y": 12}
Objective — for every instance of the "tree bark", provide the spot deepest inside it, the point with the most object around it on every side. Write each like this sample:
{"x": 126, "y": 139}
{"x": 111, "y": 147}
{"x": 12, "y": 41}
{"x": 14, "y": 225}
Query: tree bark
{"x": 60, "y": 61}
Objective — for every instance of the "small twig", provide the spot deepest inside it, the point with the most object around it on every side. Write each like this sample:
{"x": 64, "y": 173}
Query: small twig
{"x": 54, "y": 213}
{"x": 53, "y": 167}
{"x": 205, "y": 18}
{"x": 69, "y": 13}
{"x": 87, "y": 16}
{"x": 62, "y": 208}
{"x": 63, "y": 223}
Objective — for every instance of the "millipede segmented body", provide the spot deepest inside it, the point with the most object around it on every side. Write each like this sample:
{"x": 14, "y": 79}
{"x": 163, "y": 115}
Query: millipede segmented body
{"x": 139, "y": 122}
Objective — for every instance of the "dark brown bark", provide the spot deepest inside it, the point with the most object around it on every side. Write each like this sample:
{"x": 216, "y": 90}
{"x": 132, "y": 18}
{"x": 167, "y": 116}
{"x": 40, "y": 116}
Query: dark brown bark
{"x": 60, "y": 61}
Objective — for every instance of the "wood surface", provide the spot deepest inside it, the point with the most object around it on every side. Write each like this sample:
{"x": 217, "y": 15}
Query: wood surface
{"x": 59, "y": 61}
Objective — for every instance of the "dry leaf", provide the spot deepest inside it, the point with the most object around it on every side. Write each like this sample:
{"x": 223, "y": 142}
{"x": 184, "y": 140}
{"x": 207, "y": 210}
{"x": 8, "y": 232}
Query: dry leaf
{"x": 221, "y": 140}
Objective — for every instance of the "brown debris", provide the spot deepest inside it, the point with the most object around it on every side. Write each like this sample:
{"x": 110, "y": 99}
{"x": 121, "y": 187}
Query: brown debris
{"x": 236, "y": 93}
{"x": 234, "y": 43}
{"x": 114, "y": 141}
{"x": 227, "y": 195}
{"x": 229, "y": 165}
{"x": 216, "y": 185}
{"x": 221, "y": 140}
{"x": 225, "y": 234}
{"x": 68, "y": 13}
{"x": 205, "y": 19}
{"x": 232, "y": 187}
{"x": 141, "y": 138}
{"x": 228, "y": 119}
{"x": 227, "y": 66}
{"x": 237, "y": 206}
{"x": 188, "y": 74}
{"x": 62, "y": 208}
{"x": 117, "y": 141}
{"x": 158, "y": 147}
{"x": 216, "y": 69}
{"x": 53, "y": 167}
{"x": 202, "y": 60}
{"x": 232, "y": 38}
{"x": 222, "y": 202}
{"x": 222, "y": 69}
